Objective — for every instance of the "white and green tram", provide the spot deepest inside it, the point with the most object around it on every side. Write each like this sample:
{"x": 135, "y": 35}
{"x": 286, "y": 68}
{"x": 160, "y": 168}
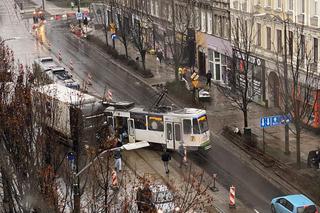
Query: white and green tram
{"x": 170, "y": 128}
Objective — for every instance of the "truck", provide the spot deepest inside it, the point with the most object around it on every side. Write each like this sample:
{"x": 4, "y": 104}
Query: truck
{"x": 54, "y": 106}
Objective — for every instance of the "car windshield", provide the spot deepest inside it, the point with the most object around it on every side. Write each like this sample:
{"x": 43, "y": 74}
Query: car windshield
{"x": 163, "y": 197}
{"x": 307, "y": 209}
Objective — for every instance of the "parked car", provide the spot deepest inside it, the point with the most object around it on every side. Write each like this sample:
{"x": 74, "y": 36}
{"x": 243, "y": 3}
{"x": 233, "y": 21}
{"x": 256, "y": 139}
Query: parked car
{"x": 61, "y": 76}
{"x": 293, "y": 204}
{"x": 162, "y": 198}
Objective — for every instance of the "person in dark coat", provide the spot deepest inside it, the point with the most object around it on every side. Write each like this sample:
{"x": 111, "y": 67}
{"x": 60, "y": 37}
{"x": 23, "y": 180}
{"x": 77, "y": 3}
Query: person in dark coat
{"x": 165, "y": 158}
{"x": 209, "y": 76}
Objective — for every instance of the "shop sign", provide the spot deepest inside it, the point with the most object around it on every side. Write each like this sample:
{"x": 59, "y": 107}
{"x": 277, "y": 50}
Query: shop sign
{"x": 251, "y": 59}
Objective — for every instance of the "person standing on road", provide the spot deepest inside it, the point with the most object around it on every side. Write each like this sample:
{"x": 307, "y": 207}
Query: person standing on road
{"x": 165, "y": 158}
{"x": 209, "y": 76}
{"x": 182, "y": 153}
{"x": 117, "y": 157}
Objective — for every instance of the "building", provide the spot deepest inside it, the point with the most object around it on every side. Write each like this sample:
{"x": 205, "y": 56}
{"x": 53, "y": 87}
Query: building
{"x": 273, "y": 19}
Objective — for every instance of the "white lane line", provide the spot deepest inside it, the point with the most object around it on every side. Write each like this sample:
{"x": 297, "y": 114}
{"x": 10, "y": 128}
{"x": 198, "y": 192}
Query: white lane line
{"x": 256, "y": 211}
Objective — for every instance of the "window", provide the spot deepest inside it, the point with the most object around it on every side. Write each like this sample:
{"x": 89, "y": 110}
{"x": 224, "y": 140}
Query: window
{"x": 203, "y": 123}
{"x": 186, "y": 126}
{"x": 269, "y": 3}
{"x": 315, "y": 50}
{"x": 152, "y": 7}
{"x": 203, "y": 21}
{"x": 139, "y": 120}
{"x": 268, "y": 38}
{"x": 279, "y": 4}
{"x": 258, "y": 34}
{"x": 302, "y": 46}
{"x": 290, "y": 42}
{"x": 289, "y": 206}
{"x": 290, "y": 4}
{"x": 169, "y": 131}
{"x": 279, "y": 41}
{"x": 315, "y": 8}
{"x": 196, "y": 129}
{"x": 177, "y": 132}
{"x": 155, "y": 122}
{"x": 209, "y": 18}
{"x": 156, "y": 8}
{"x": 302, "y": 5}
{"x": 214, "y": 59}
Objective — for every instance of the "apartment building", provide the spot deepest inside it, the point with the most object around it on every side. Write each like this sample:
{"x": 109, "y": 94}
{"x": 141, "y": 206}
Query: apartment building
{"x": 207, "y": 22}
{"x": 271, "y": 18}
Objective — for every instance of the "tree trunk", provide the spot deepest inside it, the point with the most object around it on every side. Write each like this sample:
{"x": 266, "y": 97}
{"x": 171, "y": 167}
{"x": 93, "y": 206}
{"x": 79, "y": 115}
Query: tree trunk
{"x": 126, "y": 48}
{"x": 106, "y": 35}
{"x": 245, "y": 117}
{"x": 143, "y": 57}
{"x": 286, "y": 139}
{"x": 7, "y": 196}
{"x": 298, "y": 136}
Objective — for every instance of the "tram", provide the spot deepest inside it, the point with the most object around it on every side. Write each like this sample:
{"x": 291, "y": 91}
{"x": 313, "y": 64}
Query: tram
{"x": 188, "y": 126}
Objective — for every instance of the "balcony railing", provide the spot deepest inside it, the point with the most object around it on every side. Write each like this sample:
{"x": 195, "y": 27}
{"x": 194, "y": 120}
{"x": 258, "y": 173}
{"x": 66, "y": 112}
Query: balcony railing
{"x": 300, "y": 18}
{"x": 314, "y": 21}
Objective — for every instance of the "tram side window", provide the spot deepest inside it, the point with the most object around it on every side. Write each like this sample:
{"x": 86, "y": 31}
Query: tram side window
{"x": 139, "y": 120}
{"x": 196, "y": 129}
{"x": 177, "y": 132}
{"x": 169, "y": 131}
{"x": 155, "y": 123}
{"x": 186, "y": 126}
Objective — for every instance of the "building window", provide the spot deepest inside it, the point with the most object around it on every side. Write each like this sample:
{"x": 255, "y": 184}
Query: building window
{"x": 209, "y": 18}
{"x": 279, "y": 41}
{"x": 302, "y": 6}
{"x": 156, "y": 8}
{"x": 302, "y": 46}
{"x": 315, "y": 50}
{"x": 203, "y": 21}
{"x": 152, "y": 7}
{"x": 315, "y": 8}
{"x": 290, "y": 4}
{"x": 169, "y": 13}
{"x": 197, "y": 18}
{"x": 290, "y": 42}
{"x": 269, "y": 3}
{"x": 214, "y": 59}
{"x": 258, "y": 34}
{"x": 268, "y": 38}
{"x": 279, "y": 4}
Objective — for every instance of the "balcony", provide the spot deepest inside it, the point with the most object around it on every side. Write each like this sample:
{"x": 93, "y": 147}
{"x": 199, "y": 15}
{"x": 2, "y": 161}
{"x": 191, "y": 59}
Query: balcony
{"x": 314, "y": 21}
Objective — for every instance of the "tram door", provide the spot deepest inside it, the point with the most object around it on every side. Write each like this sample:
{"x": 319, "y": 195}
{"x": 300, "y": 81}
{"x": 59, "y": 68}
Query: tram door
{"x": 131, "y": 131}
{"x": 173, "y": 135}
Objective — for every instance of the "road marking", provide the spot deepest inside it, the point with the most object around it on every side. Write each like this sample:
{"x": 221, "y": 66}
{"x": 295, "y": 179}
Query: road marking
{"x": 256, "y": 211}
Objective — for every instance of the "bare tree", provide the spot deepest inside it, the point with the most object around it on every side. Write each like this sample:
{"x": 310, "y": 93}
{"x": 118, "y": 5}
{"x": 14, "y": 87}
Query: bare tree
{"x": 123, "y": 30}
{"x": 182, "y": 21}
{"x": 298, "y": 80}
{"x": 241, "y": 92}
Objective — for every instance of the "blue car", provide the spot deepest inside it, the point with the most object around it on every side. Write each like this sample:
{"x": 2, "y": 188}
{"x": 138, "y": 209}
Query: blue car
{"x": 293, "y": 204}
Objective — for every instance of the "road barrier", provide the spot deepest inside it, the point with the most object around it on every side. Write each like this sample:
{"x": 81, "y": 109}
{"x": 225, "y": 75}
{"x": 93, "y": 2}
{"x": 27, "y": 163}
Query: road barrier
{"x": 232, "y": 197}
{"x": 59, "y": 56}
{"x": 89, "y": 79}
{"x": 71, "y": 64}
{"x": 114, "y": 179}
{"x": 109, "y": 95}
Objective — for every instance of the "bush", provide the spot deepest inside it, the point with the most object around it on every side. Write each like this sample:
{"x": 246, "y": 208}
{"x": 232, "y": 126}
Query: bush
{"x": 122, "y": 58}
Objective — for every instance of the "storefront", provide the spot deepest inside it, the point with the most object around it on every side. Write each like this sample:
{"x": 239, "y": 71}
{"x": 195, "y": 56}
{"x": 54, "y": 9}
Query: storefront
{"x": 256, "y": 75}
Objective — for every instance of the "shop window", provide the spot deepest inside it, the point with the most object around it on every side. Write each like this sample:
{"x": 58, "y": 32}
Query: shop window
{"x": 139, "y": 120}
{"x": 186, "y": 126}
{"x": 155, "y": 122}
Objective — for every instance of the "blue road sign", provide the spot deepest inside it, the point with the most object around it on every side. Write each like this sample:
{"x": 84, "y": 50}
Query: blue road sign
{"x": 71, "y": 156}
{"x": 275, "y": 120}
{"x": 79, "y": 15}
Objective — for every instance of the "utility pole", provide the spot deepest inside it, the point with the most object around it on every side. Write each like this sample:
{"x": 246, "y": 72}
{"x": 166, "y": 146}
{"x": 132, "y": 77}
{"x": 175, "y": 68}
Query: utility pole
{"x": 79, "y": 12}
{"x": 75, "y": 114}
{"x": 174, "y": 39}
{"x": 286, "y": 101}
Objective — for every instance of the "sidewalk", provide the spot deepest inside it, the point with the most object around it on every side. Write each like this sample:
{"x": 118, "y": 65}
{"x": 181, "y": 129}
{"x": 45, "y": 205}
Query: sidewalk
{"x": 162, "y": 72}
{"x": 148, "y": 164}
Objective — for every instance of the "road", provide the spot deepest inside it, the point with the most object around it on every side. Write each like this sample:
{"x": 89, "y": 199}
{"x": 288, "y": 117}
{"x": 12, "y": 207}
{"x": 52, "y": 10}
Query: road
{"x": 252, "y": 188}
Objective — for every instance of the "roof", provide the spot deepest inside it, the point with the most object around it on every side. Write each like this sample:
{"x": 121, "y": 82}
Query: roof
{"x": 65, "y": 94}
{"x": 299, "y": 200}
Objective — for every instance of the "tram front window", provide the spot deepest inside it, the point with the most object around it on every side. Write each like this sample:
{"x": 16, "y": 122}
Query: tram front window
{"x": 203, "y": 123}
{"x": 200, "y": 125}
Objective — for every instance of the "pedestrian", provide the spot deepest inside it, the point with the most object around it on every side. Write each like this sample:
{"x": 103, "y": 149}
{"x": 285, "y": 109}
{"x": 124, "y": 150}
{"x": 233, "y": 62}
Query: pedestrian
{"x": 117, "y": 157}
{"x": 165, "y": 158}
{"x": 159, "y": 56}
{"x": 209, "y": 76}
{"x": 182, "y": 153}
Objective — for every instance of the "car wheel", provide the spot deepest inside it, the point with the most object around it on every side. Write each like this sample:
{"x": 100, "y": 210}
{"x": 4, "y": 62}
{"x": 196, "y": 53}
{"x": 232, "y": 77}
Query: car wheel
{"x": 273, "y": 210}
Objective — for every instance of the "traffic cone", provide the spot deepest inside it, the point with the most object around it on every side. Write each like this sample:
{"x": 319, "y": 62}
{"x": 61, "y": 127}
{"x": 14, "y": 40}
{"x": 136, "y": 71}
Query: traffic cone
{"x": 59, "y": 56}
{"x": 114, "y": 179}
{"x": 71, "y": 64}
{"x": 232, "y": 197}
